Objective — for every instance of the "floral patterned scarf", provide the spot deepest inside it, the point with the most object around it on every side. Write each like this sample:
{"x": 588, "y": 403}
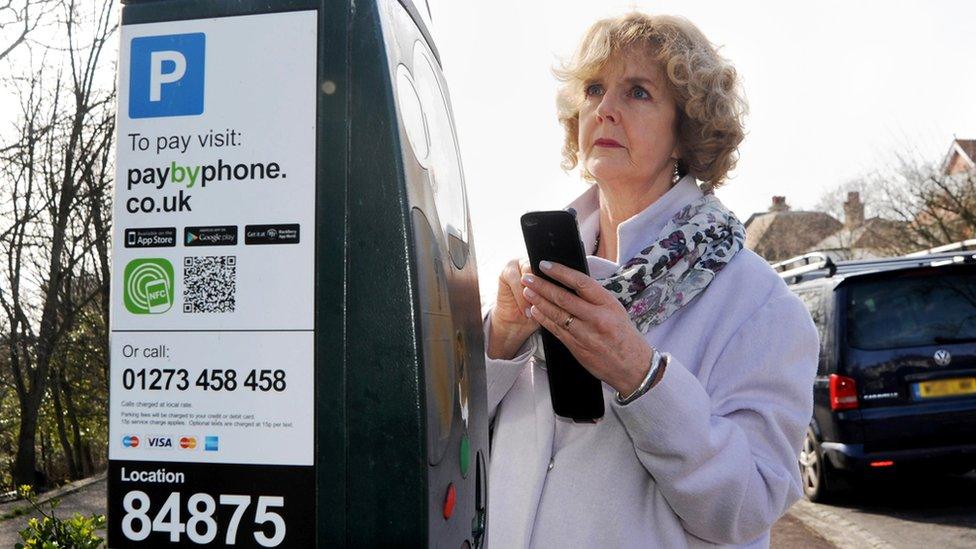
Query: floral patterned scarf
{"x": 692, "y": 248}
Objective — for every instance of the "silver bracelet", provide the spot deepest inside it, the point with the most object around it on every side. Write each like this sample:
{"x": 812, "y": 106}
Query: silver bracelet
{"x": 657, "y": 360}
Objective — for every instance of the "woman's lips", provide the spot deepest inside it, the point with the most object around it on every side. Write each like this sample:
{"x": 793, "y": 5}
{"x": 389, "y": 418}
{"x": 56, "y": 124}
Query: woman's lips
{"x": 606, "y": 143}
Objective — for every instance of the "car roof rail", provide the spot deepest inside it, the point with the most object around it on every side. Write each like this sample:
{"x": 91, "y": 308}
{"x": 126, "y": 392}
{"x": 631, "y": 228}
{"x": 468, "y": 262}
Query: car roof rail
{"x": 962, "y": 245}
{"x": 875, "y": 265}
{"x": 793, "y": 269}
{"x": 815, "y": 265}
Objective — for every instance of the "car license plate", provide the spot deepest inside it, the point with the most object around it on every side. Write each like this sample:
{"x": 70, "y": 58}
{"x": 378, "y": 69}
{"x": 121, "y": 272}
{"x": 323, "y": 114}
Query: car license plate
{"x": 945, "y": 387}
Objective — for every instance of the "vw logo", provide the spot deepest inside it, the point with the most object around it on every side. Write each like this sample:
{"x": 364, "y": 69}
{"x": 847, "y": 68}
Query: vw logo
{"x": 942, "y": 357}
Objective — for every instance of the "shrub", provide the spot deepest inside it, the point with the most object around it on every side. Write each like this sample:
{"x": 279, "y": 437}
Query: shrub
{"x": 51, "y": 532}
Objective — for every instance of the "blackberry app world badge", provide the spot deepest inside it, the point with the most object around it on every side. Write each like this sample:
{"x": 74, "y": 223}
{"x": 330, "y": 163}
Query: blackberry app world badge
{"x": 211, "y": 430}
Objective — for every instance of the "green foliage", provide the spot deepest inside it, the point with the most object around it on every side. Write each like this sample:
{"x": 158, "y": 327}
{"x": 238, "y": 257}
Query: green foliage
{"x": 51, "y": 532}
{"x": 80, "y": 361}
{"x": 55, "y": 221}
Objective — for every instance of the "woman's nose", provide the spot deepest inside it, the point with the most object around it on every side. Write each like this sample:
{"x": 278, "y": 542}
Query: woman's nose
{"x": 607, "y": 110}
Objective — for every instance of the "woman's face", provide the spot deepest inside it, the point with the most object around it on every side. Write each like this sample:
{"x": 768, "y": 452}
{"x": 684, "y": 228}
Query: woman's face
{"x": 626, "y": 123}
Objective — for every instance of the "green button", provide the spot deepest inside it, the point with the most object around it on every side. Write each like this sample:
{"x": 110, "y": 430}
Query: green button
{"x": 465, "y": 455}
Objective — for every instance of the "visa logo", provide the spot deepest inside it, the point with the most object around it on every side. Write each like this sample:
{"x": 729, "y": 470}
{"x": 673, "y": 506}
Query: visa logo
{"x": 160, "y": 442}
{"x": 130, "y": 441}
{"x": 166, "y": 75}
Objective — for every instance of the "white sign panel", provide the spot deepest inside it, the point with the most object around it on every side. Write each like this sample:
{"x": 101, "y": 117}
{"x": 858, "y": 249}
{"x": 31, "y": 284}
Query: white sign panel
{"x": 213, "y": 265}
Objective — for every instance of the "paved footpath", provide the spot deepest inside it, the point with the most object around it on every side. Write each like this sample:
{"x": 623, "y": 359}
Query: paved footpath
{"x": 85, "y": 496}
{"x": 788, "y": 532}
{"x": 906, "y": 512}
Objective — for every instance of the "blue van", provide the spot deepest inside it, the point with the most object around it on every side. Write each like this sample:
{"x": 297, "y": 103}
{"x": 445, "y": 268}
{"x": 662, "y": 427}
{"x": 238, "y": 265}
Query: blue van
{"x": 896, "y": 382}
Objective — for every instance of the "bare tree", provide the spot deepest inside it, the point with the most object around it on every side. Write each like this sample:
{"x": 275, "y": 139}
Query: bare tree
{"x": 935, "y": 207}
{"x": 910, "y": 205}
{"x": 18, "y": 18}
{"x": 53, "y": 179}
{"x": 832, "y": 201}
{"x": 842, "y": 244}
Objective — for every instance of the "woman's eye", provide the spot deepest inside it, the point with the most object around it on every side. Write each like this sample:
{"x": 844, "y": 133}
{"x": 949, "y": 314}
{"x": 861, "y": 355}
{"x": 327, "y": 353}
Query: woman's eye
{"x": 593, "y": 89}
{"x": 640, "y": 93}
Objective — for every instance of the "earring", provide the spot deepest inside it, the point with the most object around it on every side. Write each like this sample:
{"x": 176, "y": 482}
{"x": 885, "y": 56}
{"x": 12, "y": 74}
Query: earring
{"x": 675, "y": 177}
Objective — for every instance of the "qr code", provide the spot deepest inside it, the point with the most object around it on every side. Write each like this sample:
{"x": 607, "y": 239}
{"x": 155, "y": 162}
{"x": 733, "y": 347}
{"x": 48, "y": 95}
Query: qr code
{"x": 209, "y": 284}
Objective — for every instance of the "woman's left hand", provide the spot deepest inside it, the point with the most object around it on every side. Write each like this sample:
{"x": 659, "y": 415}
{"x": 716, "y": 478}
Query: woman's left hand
{"x": 600, "y": 335}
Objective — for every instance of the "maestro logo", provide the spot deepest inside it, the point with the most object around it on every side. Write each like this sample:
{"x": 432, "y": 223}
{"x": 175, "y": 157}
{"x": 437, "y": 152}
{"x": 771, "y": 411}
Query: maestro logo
{"x": 148, "y": 286}
{"x": 166, "y": 75}
{"x": 130, "y": 441}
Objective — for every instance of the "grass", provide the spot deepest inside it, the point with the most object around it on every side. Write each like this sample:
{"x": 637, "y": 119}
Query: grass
{"x": 15, "y": 512}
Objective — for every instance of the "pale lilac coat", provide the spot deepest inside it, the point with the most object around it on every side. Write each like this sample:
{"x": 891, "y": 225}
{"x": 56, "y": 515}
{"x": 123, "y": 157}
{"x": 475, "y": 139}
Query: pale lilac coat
{"x": 707, "y": 457}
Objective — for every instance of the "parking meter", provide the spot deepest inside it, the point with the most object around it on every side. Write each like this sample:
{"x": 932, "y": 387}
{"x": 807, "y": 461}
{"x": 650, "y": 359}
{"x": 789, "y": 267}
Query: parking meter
{"x": 296, "y": 344}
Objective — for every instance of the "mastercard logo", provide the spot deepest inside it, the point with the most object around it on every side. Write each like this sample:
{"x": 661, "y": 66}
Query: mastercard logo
{"x": 188, "y": 443}
{"x": 130, "y": 441}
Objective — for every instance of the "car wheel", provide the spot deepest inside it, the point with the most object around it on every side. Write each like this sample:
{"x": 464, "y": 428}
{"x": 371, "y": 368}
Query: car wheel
{"x": 816, "y": 473}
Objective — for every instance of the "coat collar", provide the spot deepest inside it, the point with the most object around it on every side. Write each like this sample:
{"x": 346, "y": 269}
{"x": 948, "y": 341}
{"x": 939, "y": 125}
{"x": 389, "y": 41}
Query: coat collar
{"x": 633, "y": 234}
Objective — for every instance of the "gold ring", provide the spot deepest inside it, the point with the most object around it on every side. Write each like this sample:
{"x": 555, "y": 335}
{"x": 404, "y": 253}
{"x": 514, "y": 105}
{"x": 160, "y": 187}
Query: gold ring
{"x": 568, "y": 321}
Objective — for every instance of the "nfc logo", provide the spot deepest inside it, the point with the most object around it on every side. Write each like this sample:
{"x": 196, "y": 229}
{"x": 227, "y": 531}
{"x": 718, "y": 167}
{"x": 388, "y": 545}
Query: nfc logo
{"x": 166, "y": 75}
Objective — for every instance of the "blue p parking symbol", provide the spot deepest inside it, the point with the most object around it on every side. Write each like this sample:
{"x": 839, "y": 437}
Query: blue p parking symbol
{"x": 166, "y": 75}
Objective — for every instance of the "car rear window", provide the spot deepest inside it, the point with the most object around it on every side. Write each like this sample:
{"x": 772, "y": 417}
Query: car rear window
{"x": 924, "y": 309}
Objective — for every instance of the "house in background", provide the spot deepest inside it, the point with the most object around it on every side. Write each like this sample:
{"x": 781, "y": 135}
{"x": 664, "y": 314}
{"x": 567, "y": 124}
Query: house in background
{"x": 781, "y": 233}
{"x": 860, "y": 238}
{"x": 959, "y": 170}
{"x": 961, "y": 157}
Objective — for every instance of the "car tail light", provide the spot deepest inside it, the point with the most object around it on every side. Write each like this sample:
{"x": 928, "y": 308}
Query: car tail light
{"x": 882, "y": 463}
{"x": 843, "y": 393}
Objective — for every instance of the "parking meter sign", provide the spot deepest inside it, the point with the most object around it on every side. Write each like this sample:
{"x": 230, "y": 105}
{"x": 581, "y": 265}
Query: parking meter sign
{"x": 212, "y": 381}
{"x": 167, "y": 75}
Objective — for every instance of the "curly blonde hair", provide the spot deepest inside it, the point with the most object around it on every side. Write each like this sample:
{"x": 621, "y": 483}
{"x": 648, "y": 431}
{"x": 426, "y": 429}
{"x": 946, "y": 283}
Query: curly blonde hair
{"x": 703, "y": 84}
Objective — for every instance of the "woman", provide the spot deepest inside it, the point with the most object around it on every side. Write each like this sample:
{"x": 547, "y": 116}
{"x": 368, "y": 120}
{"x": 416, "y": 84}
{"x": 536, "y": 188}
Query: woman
{"x": 707, "y": 359}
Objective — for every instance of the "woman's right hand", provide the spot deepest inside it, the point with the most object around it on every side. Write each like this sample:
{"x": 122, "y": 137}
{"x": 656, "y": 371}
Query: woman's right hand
{"x": 510, "y": 326}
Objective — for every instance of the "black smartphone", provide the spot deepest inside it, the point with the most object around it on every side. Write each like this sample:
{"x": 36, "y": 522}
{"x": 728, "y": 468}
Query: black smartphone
{"x": 554, "y": 236}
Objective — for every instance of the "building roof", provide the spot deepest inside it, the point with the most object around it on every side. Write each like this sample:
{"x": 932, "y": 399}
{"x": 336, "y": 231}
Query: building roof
{"x": 968, "y": 146}
{"x": 874, "y": 233}
{"x": 962, "y": 153}
{"x": 784, "y": 234}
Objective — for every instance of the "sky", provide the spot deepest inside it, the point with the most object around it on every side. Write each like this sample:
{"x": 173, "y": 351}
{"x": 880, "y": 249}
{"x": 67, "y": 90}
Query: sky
{"x": 834, "y": 90}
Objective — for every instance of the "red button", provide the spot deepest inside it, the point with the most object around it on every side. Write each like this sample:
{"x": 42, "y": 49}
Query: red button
{"x": 449, "y": 501}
